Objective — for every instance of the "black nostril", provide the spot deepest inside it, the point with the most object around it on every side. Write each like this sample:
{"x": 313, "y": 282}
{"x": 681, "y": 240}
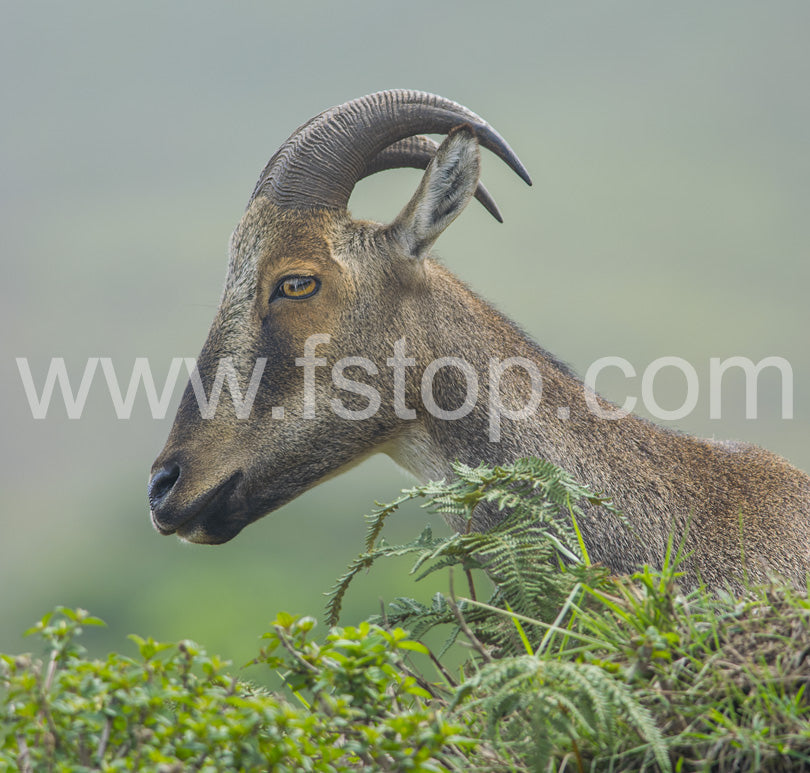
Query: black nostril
{"x": 162, "y": 483}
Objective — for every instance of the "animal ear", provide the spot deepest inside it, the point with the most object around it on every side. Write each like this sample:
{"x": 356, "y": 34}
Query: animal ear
{"x": 447, "y": 186}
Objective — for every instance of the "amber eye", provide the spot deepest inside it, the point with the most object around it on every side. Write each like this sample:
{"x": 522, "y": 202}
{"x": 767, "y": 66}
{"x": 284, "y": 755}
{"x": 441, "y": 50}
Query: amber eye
{"x": 297, "y": 287}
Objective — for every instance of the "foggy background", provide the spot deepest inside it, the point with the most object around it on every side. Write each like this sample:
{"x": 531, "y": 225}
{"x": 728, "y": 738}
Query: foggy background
{"x": 669, "y": 216}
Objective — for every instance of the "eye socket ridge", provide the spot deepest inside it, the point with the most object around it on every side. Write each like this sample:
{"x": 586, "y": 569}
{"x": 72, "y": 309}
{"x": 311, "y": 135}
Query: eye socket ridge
{"x": 296, "y": 287}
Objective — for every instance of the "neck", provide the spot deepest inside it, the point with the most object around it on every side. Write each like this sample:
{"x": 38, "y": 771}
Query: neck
{"x": 561, "y": 427}
{"x": 711, "y": 497}
{"x": 610, "y": 455}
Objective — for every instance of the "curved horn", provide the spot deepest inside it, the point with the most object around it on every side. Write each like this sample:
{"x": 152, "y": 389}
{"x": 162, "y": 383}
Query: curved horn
{"x": 320, "y": 163}
{"x": 416, "y": 153}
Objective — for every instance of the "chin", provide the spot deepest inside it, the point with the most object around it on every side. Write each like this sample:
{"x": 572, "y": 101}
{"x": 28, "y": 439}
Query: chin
{"x": 217, "y": 525}
{"x": 222, "y": 514}
{"x": 213, "y": 528}
{"x": 197, "y": 536}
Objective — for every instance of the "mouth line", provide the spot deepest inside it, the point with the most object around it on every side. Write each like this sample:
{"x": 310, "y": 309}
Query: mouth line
{"x": 221, "y": 491}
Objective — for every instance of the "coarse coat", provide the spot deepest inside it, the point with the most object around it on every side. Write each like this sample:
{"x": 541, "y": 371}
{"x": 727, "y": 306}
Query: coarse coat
{"x": 739, "y": 510}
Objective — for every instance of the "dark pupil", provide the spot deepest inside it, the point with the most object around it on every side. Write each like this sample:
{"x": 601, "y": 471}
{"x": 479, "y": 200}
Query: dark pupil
{"x": 298, "y": 285}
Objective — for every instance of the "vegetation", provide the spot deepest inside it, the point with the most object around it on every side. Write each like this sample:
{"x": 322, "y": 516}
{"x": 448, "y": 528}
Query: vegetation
{"x": 564, "y": 667}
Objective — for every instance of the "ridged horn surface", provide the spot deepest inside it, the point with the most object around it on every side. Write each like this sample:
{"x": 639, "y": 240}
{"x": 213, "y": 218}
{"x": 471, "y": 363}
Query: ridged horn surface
{"x": 320, "y": 163}
{"x": 416, "y": 153}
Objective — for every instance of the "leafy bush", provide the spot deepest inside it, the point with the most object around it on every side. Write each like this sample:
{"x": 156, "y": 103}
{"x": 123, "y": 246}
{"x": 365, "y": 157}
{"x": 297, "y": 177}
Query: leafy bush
{"x": 173, "y": 708}
{"x": 565, "y": 667}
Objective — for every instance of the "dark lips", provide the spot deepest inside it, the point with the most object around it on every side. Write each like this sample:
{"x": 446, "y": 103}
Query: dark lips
{"x": 208, "y": 502}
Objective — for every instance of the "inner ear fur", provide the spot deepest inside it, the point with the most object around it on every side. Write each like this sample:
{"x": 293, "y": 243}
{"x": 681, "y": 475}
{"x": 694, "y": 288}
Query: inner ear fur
{"x": 448, "y": 184}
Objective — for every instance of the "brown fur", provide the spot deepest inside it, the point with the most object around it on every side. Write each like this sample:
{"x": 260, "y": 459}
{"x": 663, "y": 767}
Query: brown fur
{"x": 746, "y": 509}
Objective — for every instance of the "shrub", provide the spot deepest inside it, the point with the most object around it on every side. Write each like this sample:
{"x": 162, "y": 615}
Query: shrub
{"x": 565, "y": 667}
{"x": 174, "y": 708}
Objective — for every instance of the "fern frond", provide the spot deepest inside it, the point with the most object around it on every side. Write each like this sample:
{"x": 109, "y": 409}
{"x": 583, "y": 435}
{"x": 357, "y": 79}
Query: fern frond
{"x": 522, "y": 554}
{"x": 425, "y": 541}
{"x": 566, "y": 702}
{"x": 376, "y": 519}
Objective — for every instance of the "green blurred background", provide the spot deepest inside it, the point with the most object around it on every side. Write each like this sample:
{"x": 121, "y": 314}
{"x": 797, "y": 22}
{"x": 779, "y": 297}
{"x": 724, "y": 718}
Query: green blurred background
{"x": 669, "y": 216}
